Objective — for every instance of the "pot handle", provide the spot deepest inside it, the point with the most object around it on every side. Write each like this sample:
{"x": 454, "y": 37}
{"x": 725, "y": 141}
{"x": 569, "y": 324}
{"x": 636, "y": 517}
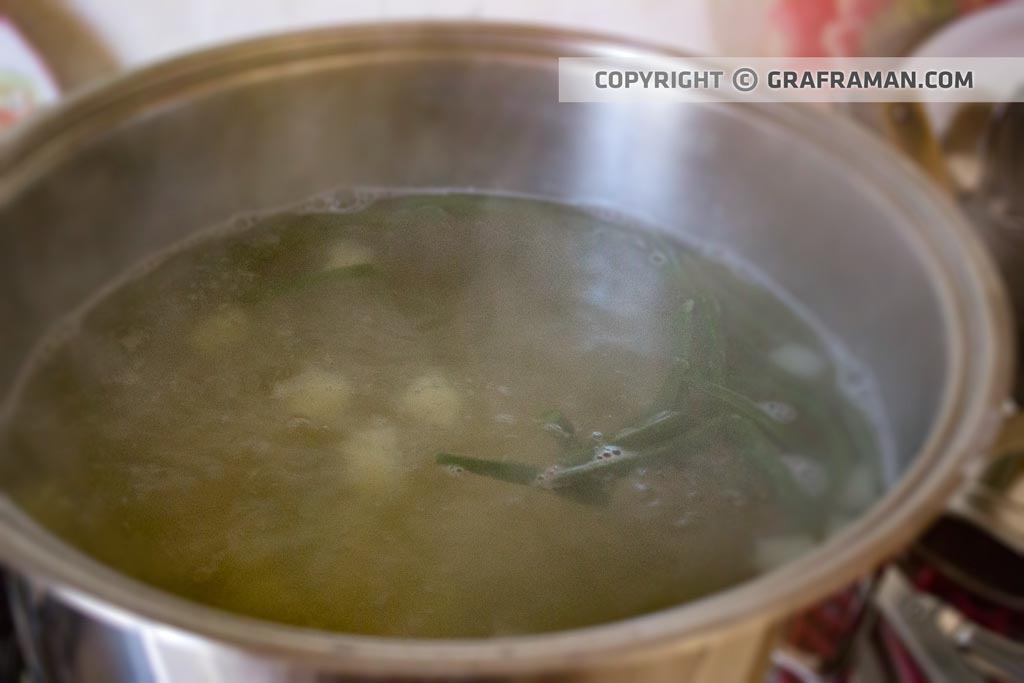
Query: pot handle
{"x": 994, "y": 498}
{"x": 905, "y": 126}
{"x": 71, "y": 49}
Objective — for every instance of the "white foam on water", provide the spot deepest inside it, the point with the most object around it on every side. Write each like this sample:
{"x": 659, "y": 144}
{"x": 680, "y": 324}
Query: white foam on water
{"x": 778, "y": 411}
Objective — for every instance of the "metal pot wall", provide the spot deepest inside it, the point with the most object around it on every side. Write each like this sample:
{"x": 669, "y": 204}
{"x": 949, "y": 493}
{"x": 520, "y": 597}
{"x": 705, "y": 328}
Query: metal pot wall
{"x": 833, "y": 217}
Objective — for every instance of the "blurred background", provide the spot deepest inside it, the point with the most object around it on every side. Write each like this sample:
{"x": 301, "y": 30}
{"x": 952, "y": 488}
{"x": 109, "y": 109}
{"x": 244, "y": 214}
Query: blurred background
{"x": 47, "y": 46}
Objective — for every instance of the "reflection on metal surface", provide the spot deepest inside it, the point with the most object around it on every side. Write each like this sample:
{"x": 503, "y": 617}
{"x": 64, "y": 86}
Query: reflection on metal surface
{"x": 907, "y": 126}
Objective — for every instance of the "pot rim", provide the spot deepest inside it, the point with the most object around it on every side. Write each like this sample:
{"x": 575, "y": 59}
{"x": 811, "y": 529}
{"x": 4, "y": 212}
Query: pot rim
{"x": 975, "y": 307}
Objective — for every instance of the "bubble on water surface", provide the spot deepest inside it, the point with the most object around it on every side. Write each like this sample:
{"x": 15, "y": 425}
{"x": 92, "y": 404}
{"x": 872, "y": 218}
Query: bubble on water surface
{"x": 778, "y": 411}
{"x": 546, "y": 476}
{"x": 343, "y": 201}
{"x": 608, "y": 453}
{"x": 657, "y": 258}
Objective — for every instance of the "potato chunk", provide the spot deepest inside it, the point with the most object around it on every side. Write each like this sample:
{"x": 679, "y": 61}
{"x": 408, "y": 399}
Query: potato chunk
{"x": 799, "y": 360}
{"x": 315, "y": 393}
{"x": 432, "y": 401}
{"x": 372, "y": 462}
{"x": 346, "y": 254}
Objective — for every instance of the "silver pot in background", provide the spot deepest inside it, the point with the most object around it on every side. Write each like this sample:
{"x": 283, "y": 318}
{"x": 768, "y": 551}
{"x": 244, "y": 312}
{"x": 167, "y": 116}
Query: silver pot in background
{"x": 835, "y": 218}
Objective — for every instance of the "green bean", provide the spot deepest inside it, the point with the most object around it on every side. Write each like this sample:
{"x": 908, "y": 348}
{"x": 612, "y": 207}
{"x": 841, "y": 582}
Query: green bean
{"x": 844, "y": 429}
{"x": 745, "y": 407}
{"x": 765, "y": 456}
{"x": 625, "y": 461}
{"x": 695, "y": 407}
{"x": 656, "y": 429}
{"x": 511, "y": 472}
{"x": 588, "y": 493}
{"x": 557, "y": 424}
{"x": 844, "y": 432}
{"x": 699, "y": 349}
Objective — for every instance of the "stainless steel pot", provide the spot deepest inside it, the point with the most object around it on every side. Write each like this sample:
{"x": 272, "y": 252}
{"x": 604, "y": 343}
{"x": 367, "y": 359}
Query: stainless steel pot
{"x": 840, "y": 222}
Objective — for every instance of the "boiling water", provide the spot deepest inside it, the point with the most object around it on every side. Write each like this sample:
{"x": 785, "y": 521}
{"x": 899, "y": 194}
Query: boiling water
{"x": 439, "y": 416}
